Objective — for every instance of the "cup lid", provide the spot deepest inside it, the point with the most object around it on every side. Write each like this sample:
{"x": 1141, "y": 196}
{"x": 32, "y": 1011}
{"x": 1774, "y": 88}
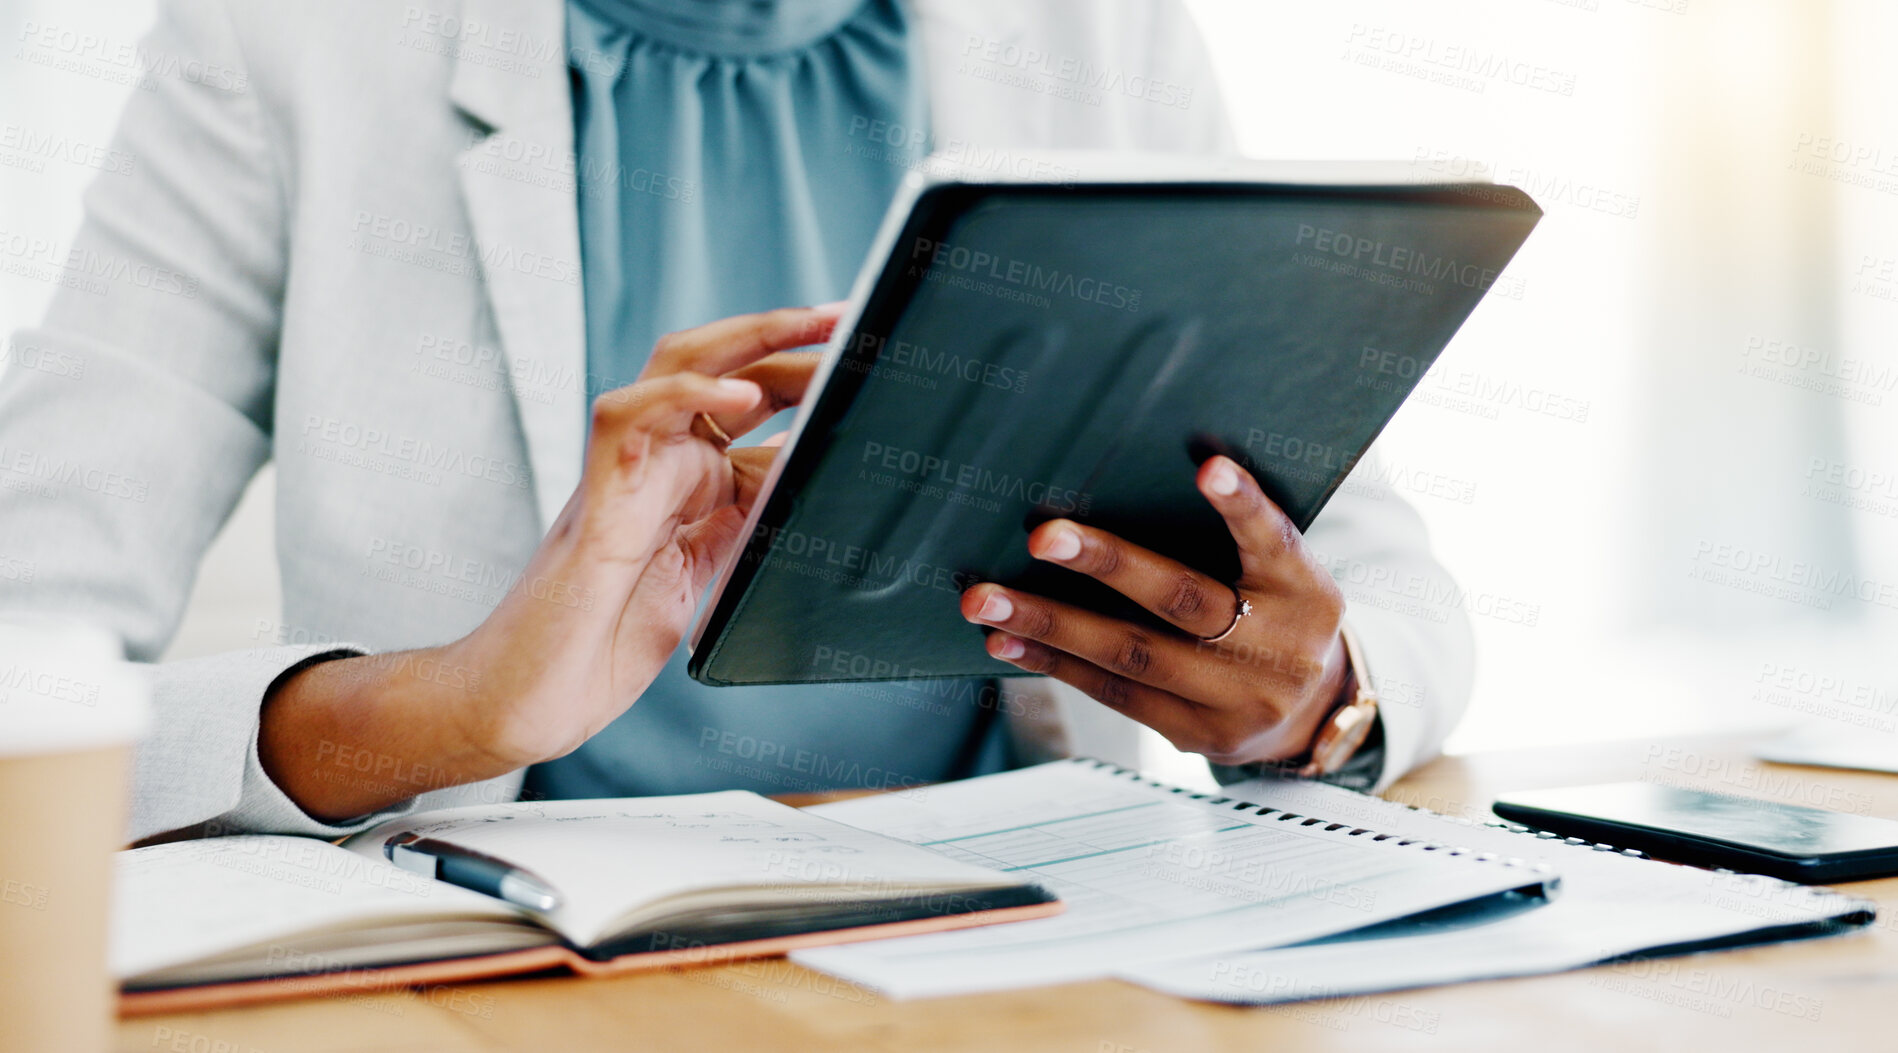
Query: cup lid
{"x": 65, "y": 686}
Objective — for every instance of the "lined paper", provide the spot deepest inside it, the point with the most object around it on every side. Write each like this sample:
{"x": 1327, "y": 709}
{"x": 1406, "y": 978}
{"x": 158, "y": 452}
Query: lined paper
{"x": 180, "y": 902}
{"x": 1147, "y": 875}
{"x": 610, "y": 857}
{"x": 1609, "y": 904}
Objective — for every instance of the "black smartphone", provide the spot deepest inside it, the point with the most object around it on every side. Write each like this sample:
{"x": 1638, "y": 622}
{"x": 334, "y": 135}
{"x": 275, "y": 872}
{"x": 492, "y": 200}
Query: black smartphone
{"x": 1807, "y": 845}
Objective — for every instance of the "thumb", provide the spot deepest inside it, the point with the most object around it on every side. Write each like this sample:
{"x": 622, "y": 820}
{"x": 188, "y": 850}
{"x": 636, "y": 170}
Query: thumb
{"x": 710, "y": 542}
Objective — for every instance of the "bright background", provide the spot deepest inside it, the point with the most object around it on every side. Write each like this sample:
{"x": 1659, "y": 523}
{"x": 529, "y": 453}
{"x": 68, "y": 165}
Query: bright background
{"x": 1706, "y": 191}
{"x": 1718, "y": 177}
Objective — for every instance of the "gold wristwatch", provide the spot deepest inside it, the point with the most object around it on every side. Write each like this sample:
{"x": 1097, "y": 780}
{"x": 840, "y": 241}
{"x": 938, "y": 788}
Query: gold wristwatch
{"x": 1349, "y": 725}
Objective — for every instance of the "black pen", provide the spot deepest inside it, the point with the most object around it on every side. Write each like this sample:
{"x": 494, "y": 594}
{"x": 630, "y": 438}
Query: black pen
{"x": 470, "y": 870}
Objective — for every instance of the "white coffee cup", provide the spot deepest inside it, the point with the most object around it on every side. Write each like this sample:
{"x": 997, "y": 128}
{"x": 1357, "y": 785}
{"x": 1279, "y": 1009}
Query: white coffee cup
{"x": 70, "y": 710}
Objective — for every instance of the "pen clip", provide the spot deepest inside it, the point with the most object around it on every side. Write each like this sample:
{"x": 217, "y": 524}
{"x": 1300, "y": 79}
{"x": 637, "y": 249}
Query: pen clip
{"x": 396, "y": 851}
{"x": 397, "y": 841}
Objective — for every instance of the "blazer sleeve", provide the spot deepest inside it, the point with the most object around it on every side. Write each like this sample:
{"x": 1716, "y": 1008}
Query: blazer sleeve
{"x": 134, "y": 417}
{"x": 1405, "y": 607}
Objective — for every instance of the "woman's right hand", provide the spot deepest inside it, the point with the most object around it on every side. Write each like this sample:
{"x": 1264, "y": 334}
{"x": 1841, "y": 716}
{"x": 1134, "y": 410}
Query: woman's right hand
{"x": 599, "y": 608}
{"x": 612, "y": 589}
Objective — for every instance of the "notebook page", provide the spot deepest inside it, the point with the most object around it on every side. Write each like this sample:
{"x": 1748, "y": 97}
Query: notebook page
{"x": 1610, "y": 904}
{"x": 188, "y": 900}
{"x": 606, "y": 856}
{"x": 1147, "y": 875}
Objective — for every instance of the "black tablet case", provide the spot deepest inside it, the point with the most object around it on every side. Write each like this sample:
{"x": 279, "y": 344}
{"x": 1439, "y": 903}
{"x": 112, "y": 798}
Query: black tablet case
{"x": 1036, "y": 352}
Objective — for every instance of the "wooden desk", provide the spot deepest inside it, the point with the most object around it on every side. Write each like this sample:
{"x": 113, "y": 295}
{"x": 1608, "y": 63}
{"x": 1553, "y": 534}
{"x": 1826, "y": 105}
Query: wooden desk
{"x": 1831, "y": 994}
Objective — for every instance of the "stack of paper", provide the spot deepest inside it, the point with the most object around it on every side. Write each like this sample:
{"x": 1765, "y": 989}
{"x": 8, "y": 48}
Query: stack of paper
{"x": 1148, "y": 873}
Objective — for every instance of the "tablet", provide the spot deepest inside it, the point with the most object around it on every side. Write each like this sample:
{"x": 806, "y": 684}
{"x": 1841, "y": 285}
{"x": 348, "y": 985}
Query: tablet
{"x": 1021, "y": 349}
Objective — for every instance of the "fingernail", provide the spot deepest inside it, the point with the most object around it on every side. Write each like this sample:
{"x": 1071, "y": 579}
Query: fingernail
{"x": 1010, "y": 648}
{"x": 833, "y": 307}
{"x": 1063, "y": 544}
{"x": 737, "y": 387}
{"x": 1223, "y": 481}
{"x": 996, "y": 608}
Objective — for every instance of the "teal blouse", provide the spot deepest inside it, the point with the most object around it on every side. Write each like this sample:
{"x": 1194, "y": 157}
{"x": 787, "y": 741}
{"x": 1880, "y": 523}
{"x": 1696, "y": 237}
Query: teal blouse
{"x": 735, "y": 156}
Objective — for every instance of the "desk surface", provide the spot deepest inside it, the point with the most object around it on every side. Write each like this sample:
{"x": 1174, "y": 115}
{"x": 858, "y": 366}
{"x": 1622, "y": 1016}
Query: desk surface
{"x": 1835, "y": 993}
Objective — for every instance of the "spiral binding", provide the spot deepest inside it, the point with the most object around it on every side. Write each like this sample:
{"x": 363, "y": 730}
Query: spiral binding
{"x": 1305, "y": 820}
{"x": 1581, "y": 843}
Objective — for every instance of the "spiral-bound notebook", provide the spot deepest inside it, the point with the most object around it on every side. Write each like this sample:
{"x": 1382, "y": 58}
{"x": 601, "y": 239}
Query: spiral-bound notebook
{"x": 1614, "y": 904}
{"x": 1152, "y": 873}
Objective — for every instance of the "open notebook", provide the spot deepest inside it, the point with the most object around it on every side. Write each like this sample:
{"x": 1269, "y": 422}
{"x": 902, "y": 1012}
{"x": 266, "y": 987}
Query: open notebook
{"x": 1150, "y": 874}
{"x": 646, "y": 882}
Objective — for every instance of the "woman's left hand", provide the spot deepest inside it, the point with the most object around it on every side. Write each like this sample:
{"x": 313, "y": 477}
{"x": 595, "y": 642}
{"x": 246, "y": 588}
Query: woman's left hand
{"x": 1259, "y": 694}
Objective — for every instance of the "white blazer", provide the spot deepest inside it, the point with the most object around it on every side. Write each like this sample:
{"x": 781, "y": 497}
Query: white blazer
{"x": 348, "y": 244}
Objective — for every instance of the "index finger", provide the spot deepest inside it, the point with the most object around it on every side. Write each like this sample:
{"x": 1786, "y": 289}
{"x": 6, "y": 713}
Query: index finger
{"x": 731, "y": 343}
{"x": 784, "y": 376}
{"x": 1190, "y": 601}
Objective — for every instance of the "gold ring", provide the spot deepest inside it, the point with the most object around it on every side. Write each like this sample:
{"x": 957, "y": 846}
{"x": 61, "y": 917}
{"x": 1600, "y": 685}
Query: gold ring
{"x": 718, "y": 434}
{"x": 1241, "y": 608}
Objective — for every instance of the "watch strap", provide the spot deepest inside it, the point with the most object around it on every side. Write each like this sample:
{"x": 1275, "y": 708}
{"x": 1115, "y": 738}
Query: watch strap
{"x": 1345, "y": 729}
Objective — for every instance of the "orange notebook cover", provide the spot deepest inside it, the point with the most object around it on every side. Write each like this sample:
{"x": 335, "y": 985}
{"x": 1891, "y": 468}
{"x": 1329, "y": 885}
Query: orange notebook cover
{"x": 538, "y": 959}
